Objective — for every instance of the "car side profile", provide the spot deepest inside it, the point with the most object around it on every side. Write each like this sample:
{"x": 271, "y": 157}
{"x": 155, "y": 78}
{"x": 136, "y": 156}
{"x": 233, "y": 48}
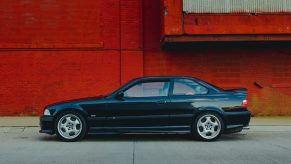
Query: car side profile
{"x": 164, "y": 104}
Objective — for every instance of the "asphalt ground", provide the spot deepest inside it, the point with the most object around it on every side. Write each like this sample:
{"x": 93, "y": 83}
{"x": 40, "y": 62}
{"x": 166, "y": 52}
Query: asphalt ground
{"x": 262, "y": 144}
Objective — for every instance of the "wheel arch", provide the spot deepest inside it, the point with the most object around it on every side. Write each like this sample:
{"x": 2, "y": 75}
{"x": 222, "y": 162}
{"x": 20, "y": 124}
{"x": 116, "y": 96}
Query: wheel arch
{"x": 216, "y": 110}
{"x": 79, "y": 111}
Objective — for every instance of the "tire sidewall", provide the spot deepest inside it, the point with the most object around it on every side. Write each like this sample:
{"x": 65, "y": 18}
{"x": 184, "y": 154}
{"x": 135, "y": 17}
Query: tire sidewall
{"x": 83, "y": 131}
{"x": 195, "y": 130}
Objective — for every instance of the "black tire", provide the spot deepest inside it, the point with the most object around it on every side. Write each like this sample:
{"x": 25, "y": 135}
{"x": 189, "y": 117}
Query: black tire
{"x": 60, "y": 132}
{"x": 209, "y": 128}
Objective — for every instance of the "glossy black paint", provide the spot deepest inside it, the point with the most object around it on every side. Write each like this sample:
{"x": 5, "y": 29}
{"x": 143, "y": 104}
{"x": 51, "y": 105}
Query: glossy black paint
{"x": 117, "y": 114}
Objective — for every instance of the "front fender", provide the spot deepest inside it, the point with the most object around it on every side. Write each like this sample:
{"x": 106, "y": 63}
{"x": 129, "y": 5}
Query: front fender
{"x": 70, "y": 107}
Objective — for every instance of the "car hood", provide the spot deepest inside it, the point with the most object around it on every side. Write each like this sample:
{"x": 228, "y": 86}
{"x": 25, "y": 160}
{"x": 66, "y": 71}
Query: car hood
{"x": 79, "y": 100}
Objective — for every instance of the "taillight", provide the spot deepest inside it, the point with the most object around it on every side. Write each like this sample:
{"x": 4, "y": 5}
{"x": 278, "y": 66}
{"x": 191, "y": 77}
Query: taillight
{"x": 245, "y": 104}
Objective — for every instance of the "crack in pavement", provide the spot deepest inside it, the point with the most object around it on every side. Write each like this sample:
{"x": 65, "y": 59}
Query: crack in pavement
{"x": 133, "y": 152}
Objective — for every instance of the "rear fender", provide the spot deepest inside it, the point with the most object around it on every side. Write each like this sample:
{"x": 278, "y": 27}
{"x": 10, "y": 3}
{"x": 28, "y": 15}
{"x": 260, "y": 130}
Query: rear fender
{"x": 211, "y": 109}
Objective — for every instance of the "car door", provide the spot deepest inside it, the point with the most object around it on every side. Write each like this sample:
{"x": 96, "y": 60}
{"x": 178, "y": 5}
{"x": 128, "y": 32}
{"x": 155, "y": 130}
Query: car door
{"x": 143, "y": 106}
{"x": 186, "y": 95}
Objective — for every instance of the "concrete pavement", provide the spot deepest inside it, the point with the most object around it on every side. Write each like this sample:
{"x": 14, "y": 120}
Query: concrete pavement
{"x": 268, "y": 141}
{"x": 257, "y": 146}
{"x": 19, "y": 121}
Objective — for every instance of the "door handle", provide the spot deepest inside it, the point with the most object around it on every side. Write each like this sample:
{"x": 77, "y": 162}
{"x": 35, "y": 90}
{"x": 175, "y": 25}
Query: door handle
{"x": 161, "y": 102}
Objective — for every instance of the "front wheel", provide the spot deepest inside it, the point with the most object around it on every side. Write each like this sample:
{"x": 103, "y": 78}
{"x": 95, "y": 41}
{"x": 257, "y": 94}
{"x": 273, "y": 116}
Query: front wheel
{"x": 208, "y": 126}
{"x": 70, "y": 126}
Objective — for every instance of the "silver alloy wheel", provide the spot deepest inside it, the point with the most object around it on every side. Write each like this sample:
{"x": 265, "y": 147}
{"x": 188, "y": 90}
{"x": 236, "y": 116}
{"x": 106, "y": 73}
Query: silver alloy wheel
{"x": 208, "y": 126}
{"x": 70, "y": 126}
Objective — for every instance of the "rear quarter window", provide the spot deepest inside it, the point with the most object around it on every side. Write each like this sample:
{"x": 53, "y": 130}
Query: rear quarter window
{"x": 188, "y": 87}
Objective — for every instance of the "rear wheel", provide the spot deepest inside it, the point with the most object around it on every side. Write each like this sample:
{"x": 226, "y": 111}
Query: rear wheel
{"x": 70, "y": 126}
{"x": 208, "y": 126}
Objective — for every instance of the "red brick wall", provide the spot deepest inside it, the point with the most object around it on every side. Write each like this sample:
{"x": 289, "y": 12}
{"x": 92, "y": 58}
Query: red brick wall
{"x": 56, "y": 50}
{"x": 53, "y": 50}
{"x": 31, "y": 79}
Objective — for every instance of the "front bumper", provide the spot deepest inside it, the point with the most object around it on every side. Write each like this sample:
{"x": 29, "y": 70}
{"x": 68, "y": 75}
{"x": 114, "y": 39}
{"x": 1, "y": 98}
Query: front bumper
{"x": 46, "y": 124}
{"x": 236, "y": 121}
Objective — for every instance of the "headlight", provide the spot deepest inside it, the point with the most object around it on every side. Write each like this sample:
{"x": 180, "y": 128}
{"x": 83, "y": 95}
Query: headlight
{"x": 46, "y": 112}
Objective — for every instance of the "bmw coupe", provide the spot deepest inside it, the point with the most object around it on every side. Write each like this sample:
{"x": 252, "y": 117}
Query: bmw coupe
{"x": 164, "y": 104}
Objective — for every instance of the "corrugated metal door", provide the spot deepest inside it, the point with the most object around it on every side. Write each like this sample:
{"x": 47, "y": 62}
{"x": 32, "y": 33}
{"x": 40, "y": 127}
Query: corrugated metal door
{"x": 236, "y": 6}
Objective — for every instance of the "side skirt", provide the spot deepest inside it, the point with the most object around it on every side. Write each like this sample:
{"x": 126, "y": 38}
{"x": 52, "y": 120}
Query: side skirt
{"x": 153, "y": 129}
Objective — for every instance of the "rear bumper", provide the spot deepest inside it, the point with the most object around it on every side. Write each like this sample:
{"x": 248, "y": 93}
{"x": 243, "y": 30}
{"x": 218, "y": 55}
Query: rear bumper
{"x": 236, "y": 121}
{"x": 46, "y": 124}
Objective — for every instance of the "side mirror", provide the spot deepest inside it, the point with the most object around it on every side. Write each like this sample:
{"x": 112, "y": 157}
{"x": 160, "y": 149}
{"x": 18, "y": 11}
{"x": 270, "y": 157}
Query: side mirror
{"x": 119, "y": 95}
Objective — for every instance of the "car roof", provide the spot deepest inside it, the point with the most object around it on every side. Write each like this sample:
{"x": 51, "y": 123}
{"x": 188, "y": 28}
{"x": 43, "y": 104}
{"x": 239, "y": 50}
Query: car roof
{"x": 163, "y": 77}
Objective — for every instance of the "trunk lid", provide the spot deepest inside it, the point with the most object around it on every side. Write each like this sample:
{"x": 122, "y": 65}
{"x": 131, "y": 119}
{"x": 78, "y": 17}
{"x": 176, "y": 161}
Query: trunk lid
{"x": 237, "y": 90}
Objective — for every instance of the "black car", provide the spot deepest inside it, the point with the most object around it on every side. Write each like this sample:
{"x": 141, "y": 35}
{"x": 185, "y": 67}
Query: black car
{"x": 164, "y": 104}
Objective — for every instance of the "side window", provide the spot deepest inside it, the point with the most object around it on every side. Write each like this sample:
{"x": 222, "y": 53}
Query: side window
{"x": 148, "y": 89}
{"x": 188, "y": 87}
